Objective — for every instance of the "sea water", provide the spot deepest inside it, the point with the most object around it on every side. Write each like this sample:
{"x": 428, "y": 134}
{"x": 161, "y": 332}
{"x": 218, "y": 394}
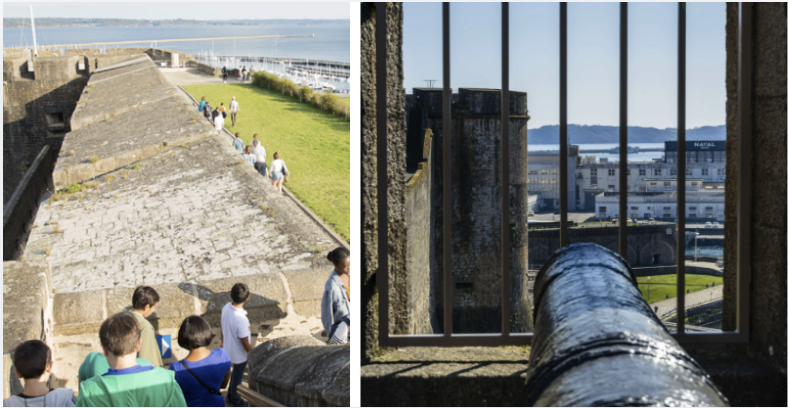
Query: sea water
{"x": 331, "y": 41}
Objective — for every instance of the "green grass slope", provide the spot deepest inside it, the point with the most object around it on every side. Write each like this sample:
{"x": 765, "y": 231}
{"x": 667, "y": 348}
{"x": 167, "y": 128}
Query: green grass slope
{"x": 314, "y": 144}
{"x": 665, "y": 285}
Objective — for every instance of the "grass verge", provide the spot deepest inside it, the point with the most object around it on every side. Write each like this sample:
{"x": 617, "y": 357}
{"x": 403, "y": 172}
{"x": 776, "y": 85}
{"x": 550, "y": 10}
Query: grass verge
{"x": 665, "y": 285}
{"x": 314, "y": 144}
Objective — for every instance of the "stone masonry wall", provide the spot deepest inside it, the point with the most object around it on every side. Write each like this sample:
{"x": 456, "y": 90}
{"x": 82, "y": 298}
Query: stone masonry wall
{"x": 418, "y": 207}
{"x": 27, "y": 312}
{"x": 476, "y": 212}
{"x": 643, "y": 242}
{"x": 396, "y": 168}
{"x": 768, "y": 199}
{"x": 36, "y": 110}
{"x": 300, "y": 371}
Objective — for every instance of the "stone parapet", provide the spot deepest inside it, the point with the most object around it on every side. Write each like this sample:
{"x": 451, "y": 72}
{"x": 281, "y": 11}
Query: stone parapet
{"x": 27, "y": 312}
{"x": 301, "y": 371}
{"x": 431, "y": 376}
{"x": 83, "y": 312}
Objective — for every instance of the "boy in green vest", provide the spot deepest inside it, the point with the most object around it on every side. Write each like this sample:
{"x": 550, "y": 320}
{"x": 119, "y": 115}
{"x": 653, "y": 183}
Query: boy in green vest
{"x": 143, "y": 304}
{"x": 128, "y": 384}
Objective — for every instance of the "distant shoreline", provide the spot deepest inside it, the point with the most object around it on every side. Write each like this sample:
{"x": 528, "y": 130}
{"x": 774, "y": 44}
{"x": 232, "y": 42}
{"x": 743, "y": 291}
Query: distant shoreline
{"x": 15, "y": 22}
{"x": 598, "y": 134}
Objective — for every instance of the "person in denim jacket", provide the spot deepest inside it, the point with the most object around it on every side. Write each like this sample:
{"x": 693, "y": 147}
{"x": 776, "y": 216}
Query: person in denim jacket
{"x": 335, "y": 308}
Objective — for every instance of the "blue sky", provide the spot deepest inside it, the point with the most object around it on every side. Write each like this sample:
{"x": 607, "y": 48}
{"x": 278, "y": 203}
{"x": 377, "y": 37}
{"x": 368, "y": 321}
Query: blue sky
{"x": 187, "y": 10}
{"x": 593, "y": 58}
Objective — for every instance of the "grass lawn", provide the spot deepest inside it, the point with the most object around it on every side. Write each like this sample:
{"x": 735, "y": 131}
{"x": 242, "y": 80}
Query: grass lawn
{"x": 314, "y": 144}
{"x": 662, "y": 285}
{"x": 346, "y": 101}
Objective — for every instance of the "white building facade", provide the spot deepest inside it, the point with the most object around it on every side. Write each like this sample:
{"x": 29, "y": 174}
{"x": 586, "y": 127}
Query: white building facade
{"x": 703, "y": 205}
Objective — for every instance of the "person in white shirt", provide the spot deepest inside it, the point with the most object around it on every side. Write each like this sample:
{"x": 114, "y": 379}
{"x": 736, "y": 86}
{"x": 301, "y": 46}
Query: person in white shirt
{"x": 218, "y": 122}
{"x": 236, "y": 334}
{"x": 278, "y": 172}
{"x": 259, "y": 152}
{"x": 234, "y": 109}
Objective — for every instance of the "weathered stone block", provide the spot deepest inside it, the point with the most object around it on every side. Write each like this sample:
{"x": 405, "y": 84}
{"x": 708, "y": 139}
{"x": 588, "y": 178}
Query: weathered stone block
{"x": 307, "y": 288}
{"x": 26, "y": 290}
{"x": 296, "y": 370}
{"x": 78, "y": 312}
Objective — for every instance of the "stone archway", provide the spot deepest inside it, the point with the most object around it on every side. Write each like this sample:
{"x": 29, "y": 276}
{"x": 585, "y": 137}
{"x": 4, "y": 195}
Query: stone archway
{"x": 659, "y": 250}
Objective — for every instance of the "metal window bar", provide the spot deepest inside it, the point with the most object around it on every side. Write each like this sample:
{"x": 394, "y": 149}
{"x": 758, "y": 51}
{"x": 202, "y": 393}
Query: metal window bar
{"x": 448, "y": 338}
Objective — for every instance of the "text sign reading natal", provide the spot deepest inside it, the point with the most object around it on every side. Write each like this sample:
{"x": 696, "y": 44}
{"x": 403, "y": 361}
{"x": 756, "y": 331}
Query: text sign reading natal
{"x": 165, "y": 345}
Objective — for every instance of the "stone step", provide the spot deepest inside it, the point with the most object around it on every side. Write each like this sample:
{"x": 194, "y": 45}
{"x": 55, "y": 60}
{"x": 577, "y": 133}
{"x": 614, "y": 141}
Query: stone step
{"x": 83, "y": 312}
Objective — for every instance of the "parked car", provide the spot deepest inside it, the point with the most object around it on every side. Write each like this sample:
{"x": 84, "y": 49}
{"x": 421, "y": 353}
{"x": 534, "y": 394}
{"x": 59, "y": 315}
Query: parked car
{"x": 716, "y": 225}
{"x": 531, "y": 213}
{"x": 708, "y": 225}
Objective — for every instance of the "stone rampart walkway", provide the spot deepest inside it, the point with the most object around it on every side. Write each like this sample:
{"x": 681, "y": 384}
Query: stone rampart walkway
{"x": 166, "y": 201}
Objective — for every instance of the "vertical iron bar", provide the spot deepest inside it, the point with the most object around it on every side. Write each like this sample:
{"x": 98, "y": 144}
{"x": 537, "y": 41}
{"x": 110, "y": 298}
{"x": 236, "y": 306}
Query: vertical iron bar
{"x": 506, "y": 250}
{"x": 382, "y": 277}
{"x": 447, "y": 187}
{"x": 745, "y": 169}
{"x": 682, "y": 165}
{"x": 564, "y": 192}
{"x": 622, "y": 137}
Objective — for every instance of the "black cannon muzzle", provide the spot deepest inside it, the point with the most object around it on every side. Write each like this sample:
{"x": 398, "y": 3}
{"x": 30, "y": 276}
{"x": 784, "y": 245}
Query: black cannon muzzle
{"x": 598, "y": 343}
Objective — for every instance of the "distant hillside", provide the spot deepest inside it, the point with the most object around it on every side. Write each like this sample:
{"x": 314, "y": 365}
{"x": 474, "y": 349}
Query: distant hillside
{"x": 581, "y": 134}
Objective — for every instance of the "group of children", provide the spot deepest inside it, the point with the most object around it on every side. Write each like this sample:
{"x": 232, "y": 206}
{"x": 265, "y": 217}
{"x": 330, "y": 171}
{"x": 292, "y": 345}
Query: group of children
{"x": 254, "y": 154}
{"x": 217, "y": 116}
{"x": 128, "y": 372}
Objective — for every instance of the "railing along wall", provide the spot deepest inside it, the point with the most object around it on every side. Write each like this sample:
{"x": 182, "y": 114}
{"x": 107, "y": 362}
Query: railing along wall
{"x": 448, "y": 338}
{"x": 18, "y": 212}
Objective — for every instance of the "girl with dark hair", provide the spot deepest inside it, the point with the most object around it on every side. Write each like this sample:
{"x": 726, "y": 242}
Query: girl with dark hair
{"x": 335, "y": 308}
{"x": 278, "y": 172}
{"x": 204, "y": 372}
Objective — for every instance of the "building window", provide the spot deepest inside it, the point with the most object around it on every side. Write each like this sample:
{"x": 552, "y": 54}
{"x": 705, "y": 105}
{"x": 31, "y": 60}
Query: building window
{"x": 674, "y": 172}
{"x": 628, "y": 173}
{"x": 666, "y": 208}
{"x": 602, "y": 210}
{"x": 633, "y": 208}
{"x": 704, "y": 172}
{"x": 642, "y": 172}
{"x": 719, "y": 157}
{"x": 611, "y": 172}
{"x": 721, "y": 171}
{"x": 593, "y": 172}
{"x": 657, "y": 172}
{"x": 688, "y": 173}
{"x": 611, "y": 187}
{"x": 694, "y": 184}
{"x": 666, "y": 183}
{"x": 693, "y": 208}
{"x": 653, "y": 184}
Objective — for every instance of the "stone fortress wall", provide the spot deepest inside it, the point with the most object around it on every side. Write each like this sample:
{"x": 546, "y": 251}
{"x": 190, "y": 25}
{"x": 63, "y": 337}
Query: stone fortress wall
{"x": 38, "y": 103}
{"x": 421, "y": 313}
{"x": 476, "y": 200}
{"x": 164, "y": 201}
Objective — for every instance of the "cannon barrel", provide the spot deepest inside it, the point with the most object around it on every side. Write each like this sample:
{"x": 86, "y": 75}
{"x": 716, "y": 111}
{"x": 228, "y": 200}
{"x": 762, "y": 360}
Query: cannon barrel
{"x": 598, "y": 343}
